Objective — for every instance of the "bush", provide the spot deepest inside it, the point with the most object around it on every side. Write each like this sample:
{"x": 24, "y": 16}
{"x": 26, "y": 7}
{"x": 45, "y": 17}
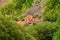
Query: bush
{"x": 51, "y": 16}
{"x": 9, "y": 30}
{"x": 29, "y": 37}
{"x": 58, "y": 19}
{"x": 8, "y": 9}
{"x": 43, "y": 30}
{"x": 57, "y": 35}
{"x": 50, "y": 10}
{"x": 15, "y": 7}
{"x": 38, "y": 2}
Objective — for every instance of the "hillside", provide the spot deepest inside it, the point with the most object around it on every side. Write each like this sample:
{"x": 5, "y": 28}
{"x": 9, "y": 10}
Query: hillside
{"x": 29, "y": 19}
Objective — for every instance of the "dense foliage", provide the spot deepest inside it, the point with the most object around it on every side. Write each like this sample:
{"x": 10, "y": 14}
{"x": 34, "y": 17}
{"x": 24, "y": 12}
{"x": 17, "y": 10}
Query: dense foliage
{"x": 16, "y": 7}
{"x": 9, "y": 30}
{"x": 48, "y": 29}
{"x": 51, "y": 10}
{"x": 57, "y": 35}
{"x": 42, "y": 32}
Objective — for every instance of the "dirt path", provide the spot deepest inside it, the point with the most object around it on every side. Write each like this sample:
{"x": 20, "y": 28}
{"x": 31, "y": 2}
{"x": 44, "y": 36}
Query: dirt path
{"x": 35, "y": 8}
{"x": 3, "y": 2}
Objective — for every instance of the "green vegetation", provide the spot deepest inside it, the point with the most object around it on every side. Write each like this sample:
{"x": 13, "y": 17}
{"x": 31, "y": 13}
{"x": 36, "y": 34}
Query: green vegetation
{"x": 51, "y": 10}
{"x": 57, "y": 36}
{"x": 38, "y": 2}
{"x": 42, "y": 32}
{"x": 15, "y": 7}
{"x": 9, "y": 30}
{"x": 48, "y": 29}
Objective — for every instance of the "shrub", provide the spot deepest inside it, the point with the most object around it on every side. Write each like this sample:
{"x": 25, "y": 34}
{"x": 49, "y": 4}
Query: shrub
{"x": 9, "y": 30}
{"x": 18, "y": 4}
{"x": 50, "y": 10}
{"x": 51, "y": 16}
{"x": 43, "y": 30}
{"x": 28, "y": 3}
{"x": 38, "y": 2}
{"x": 15, "y": 7}
{"x": 58, "y": 19}
{"x": 29, "y": 37}
{"x": 8, "y": 9}
{"x": 57, "y": 35}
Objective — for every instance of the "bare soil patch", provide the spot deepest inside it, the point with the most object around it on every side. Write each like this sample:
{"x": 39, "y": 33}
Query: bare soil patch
{"x": 3, "y": 2}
